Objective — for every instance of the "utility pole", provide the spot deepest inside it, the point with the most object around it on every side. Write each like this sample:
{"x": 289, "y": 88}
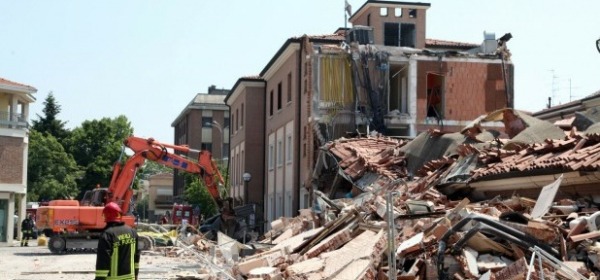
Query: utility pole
{"x": 554, "y": 86}
{"x": 570, "y": 93}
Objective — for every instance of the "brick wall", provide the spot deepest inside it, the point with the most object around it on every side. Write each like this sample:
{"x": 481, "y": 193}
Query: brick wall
{"x": 471, "y": 88}
{"x": 11, "y": 160}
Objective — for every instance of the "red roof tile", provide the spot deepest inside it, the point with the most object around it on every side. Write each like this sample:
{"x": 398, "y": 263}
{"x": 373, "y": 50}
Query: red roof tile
{"x": 372, "y": 154}
{"x": 573, "y": 153}
{"x": 15, "y": 84}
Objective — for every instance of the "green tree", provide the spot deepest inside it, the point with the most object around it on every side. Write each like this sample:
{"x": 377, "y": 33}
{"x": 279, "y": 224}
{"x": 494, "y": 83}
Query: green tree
{"x": 197, "y": 194}
{"x": 96, "y": 145}
{"x": 49, "y": 122}
{"x": 152, "y": 168}
{"x": 51, "y": 171}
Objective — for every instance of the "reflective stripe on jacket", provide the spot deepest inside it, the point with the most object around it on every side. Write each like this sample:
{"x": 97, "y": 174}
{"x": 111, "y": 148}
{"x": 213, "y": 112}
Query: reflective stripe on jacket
{"x": 118, "y": 256}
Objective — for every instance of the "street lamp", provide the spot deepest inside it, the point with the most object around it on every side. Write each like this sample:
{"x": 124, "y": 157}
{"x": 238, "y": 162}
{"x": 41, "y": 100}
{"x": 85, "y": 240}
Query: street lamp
{"x": 247, "y": 177}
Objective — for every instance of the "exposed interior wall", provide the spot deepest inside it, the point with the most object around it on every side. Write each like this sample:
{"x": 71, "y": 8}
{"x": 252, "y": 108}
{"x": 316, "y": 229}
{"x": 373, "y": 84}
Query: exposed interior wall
{"x": 468, "y": 89}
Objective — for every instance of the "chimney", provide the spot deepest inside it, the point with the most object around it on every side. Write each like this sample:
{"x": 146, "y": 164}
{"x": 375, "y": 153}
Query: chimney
{"x": 211, "y": 89}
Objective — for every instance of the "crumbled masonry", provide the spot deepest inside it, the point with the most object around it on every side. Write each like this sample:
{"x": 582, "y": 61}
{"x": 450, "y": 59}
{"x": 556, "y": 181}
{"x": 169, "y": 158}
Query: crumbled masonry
{"x": 476, "y": 208}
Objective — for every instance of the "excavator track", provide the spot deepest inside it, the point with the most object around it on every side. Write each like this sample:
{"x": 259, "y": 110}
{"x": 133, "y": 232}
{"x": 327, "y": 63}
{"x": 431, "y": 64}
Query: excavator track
{"x": 73, "y": 243}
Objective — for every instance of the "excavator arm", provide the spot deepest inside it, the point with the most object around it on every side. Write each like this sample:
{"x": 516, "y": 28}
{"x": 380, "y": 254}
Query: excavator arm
{"x": 149, "y": 149}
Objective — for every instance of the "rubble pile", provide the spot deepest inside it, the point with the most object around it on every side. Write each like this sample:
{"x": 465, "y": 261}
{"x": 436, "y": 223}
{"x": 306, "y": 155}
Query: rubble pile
{"x": 432, "y": 239}
{"x": 387, "y": 208}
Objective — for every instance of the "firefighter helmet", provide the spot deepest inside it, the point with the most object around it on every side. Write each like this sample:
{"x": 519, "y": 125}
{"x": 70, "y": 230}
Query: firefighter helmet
{"x": 112, "y": 212}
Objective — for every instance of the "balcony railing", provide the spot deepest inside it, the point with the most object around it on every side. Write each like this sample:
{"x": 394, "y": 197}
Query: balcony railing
{"x": 16, "y": 121}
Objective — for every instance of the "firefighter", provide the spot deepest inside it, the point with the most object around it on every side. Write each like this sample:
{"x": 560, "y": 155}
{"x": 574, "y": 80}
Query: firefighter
{"x": 27, "y": 230}
{"x": 118, "y": 256}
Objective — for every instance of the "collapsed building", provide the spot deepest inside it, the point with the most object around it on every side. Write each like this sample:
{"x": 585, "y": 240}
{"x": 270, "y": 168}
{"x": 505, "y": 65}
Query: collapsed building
{"x": 381, "y": 73}
{"x": 475, "y": 204}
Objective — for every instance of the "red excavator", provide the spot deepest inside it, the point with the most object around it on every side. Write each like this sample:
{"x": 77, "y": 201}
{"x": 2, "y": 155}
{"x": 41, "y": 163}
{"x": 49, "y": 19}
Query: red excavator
{"x": 76, "y": 225}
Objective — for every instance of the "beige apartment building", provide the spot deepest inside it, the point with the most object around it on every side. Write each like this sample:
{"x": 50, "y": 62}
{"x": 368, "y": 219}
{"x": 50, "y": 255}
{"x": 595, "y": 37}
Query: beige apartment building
{"x": 14, "y": 116}
{"x": 160, "y": 195}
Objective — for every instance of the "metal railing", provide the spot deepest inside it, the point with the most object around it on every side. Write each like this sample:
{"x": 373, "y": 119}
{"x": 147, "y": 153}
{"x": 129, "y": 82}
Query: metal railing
{"x": 16, "y": 121}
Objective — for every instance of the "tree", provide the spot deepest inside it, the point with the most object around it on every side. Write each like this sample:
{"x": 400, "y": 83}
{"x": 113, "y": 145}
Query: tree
{"x": 52, "y": 172}
{"x": 197, "y": 194}
{"x": 152, "y": 168}
{"x": 96, "y": 145}
{"x": 49, "y": 123}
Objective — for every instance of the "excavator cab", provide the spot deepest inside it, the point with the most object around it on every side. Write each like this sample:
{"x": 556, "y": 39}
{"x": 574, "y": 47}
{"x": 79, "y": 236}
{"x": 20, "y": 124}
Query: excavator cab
{"x": 95, "y": 197}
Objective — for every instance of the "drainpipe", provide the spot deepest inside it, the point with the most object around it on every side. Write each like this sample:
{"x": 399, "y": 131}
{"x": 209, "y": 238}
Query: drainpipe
{"x": 298, "y": 127}
{"x": 222, "y": 145}
{"x": 265, "y": 161}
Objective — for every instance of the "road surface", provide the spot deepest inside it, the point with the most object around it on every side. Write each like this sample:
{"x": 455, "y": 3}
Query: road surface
{"x": 36, "y": 262}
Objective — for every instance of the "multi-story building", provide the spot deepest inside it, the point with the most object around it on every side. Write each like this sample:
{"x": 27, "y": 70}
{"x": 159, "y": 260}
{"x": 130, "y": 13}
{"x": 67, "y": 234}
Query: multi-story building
{"x": 14, "y": 115}
{"x": 381, "y": 74}
{"x": 203, "y": 125}
{"x": 160, "y": 195}
{"x": 246, "y": 167}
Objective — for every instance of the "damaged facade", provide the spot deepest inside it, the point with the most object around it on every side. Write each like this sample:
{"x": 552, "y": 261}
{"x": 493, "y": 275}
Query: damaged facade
{"x": 382, "y": 74}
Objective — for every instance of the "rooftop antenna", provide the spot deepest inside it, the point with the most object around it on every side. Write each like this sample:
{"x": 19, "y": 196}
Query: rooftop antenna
{"x": 554, "y": 85}
{"x": 347, "y": 13}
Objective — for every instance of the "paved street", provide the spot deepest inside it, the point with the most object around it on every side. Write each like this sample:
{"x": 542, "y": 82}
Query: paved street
{"x": 36, "y": 262}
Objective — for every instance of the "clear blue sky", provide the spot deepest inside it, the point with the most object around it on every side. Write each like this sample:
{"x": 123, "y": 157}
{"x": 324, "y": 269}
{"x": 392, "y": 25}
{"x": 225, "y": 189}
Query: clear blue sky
{"x": 148, "y": 59}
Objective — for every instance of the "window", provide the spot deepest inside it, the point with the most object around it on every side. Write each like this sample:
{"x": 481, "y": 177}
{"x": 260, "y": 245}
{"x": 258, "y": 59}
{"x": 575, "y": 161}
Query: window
{"x": 226, "y": 122}
{"x": 383, "y": 11}
{"x": 305, "y": 85}
{"x": 303, "y": 149}
{"x": 304, "y": 132}
{"x": 226, "y": 150}
{"x": 369, "y": 20}
{"x": 398, "y": 12}
{"x": 289, "y": 87}
{"x": 207, "y": 122}
{"x": 412, "y": 13}
{"x": 233, "y": 127}
{"x": 270, "y": 156}
{"x": 407, "y": 35}
{"x": 288, "y": 149}
{"x": 237, "y": 113}
{"x": 242, "y": 116}
{"x": 271, "y": 104}
{"x": 391, "y": 34}
{"x": 206, "y": 146}
{"x": 399, "y": 34}
{"x": 279, "y": 97}
{"x": 279, "y": 153}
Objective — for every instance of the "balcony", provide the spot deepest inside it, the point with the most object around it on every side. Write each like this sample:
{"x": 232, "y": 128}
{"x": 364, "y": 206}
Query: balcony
{"x": 14, "y": 121}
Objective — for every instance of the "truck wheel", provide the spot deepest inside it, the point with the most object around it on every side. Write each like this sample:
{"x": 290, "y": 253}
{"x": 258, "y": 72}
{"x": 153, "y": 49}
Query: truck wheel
{"x": 57, "y": 244}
